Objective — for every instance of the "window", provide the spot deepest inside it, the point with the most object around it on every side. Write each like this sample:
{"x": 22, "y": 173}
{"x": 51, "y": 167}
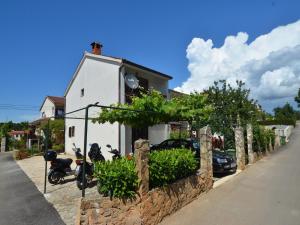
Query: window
{"x": 82, "y": 92}
{"x": 59, "y": 112}
{"x": 71, "y": 131}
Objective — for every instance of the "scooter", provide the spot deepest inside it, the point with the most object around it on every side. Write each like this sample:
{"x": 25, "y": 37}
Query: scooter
{"x": 115, "y": 152}
{"x": 60, "y": 168}
{"x": 95, "y": 155}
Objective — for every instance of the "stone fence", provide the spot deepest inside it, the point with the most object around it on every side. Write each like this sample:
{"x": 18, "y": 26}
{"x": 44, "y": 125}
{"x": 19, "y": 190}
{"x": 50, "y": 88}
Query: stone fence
{"x": 252, "y": 156}
{"x": 150, "y": 206}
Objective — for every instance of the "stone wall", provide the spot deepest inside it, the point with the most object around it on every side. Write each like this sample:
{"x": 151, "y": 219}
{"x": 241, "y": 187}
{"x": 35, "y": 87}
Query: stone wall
{"x": 155, "y": 205}
{"x": 150, "y": 207}
{"x": 3, "y": 145}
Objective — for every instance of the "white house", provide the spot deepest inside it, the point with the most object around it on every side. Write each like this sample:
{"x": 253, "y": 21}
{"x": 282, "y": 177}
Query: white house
{"x": 19, "y": 134}
{"x": 100, "y": 78}
{"x": 52, "y": 106}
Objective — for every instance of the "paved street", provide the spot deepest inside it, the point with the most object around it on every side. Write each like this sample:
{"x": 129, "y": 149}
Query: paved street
{"x": 267, "y": 193}
{"x": 20, "y": 200}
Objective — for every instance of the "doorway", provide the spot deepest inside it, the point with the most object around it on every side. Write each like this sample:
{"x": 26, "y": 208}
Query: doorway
{"x": 138, "y": 133}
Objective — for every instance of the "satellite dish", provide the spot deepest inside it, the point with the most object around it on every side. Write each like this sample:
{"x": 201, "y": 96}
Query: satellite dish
{"x": 131, "y": 81}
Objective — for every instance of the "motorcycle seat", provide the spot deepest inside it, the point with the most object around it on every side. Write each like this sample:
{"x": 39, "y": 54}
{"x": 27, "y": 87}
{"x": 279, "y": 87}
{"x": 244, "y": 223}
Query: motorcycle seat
{"x": 65, "y": 162}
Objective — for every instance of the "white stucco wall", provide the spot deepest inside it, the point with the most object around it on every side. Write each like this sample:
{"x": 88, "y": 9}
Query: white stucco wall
{"x": 48, "y": 108}
{"x": 100, "y": 82}
{"x": 158, "y": 133}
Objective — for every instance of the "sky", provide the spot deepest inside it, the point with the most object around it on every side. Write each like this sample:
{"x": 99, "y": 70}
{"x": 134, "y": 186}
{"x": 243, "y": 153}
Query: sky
{"x": 196, "y": 42}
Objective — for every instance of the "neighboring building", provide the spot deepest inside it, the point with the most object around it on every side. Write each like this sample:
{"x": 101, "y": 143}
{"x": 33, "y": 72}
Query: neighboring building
{"x": 52, "y": 106}
{"x": 19, "y": 134}
{"x": 175, "y": 94}
{"x": 100, "y": 78}
{"x": 179, "y": 126}
{"x": 27, "y": 135}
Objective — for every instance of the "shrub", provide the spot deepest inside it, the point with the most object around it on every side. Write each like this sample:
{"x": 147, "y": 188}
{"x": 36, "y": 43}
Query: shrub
{"x": 286, "y": 121}
{"x": 20, "y": 154}
{"x": 59, "y": 147}
{"x": 117, "y": 178}
{"x": 167, "y": 166}
{"x": 261, "y": 138}
{"x": 176, "y": 134}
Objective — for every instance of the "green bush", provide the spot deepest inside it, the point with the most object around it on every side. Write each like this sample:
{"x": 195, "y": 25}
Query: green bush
{"x": 261, "y": 138}
{"x": 59, "y": 147}
{"x": 117, "y": 178}
{"x": 167, "y": 166}
{"x": 287, "y": 121}
{"x": 176, "y": 134}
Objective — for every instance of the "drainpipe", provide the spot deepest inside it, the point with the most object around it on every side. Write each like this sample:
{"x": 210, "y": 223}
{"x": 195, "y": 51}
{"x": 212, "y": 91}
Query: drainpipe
{"x": 119, "y": 100}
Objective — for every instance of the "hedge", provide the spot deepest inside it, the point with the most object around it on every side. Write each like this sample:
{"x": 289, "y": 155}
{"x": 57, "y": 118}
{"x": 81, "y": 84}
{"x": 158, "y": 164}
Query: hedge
{"x": 117, "y": 178}
{"x": 290, "y": 122}
{"x": 167, "y": 166}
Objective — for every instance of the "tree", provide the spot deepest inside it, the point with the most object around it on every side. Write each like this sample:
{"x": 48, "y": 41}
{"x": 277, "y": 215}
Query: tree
{"x": 285, "y": 112}
{"x": 297, "y": 98}
{"x": 151, "y": 108}
{"x": 56, "y": 131}
{"x": 8, "y": 126}
{"x": 231, "y": 107}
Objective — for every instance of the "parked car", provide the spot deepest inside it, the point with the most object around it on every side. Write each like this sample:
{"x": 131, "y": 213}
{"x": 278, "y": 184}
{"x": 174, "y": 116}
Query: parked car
{"x": 222, "y": 162}
{"x": 179, "y": 143}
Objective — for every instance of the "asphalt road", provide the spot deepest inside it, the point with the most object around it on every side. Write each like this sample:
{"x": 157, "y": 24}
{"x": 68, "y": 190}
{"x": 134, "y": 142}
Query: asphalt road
{"x": 20, "y": 201}
{"x": 266, "y": 193}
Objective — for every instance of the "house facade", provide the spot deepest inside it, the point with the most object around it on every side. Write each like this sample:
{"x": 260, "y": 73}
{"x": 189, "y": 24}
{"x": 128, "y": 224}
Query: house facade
{"x": 52, "y": 106}
{"x": 102, "y": 79}
{"x": 18, "y": 135}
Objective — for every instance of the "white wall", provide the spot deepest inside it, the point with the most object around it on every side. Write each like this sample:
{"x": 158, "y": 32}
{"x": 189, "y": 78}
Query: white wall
{"x": 100, "y": 82}
{"x": 48, "y": 108}
{"x": 158, "y": 133}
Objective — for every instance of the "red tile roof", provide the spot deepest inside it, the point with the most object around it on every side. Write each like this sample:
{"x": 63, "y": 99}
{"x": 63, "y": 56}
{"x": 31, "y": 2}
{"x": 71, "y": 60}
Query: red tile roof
{"x": 57, "y": 101}
{"x": 15, "y": 132}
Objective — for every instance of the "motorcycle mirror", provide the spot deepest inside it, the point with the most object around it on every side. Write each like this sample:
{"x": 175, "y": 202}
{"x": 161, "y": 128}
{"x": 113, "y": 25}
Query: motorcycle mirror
{"x": 109, "y": 146}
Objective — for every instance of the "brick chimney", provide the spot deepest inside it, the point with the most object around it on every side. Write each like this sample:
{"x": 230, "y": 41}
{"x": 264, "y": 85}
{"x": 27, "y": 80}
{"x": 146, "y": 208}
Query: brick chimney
{"x": 96, "y": 48}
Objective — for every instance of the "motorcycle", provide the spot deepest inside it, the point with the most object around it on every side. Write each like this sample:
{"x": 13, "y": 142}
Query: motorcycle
{"x": 59, "y": 168}
{"x": 95, "y": 155}
{"x": 115, "y": 152}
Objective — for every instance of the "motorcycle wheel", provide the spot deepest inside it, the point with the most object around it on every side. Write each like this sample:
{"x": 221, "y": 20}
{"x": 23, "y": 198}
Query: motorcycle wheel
{"x": 79, "y": 183}
{"x": 55, "y": 177}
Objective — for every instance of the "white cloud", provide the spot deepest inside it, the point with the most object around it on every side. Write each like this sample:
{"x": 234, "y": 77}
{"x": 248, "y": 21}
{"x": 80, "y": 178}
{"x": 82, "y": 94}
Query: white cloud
{"x": 270, "y": 65}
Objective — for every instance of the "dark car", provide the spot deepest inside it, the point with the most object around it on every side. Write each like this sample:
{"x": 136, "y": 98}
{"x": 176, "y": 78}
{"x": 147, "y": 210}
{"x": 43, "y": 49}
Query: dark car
{"x": 179, "y": 143}
{"x": 222, "y": 162}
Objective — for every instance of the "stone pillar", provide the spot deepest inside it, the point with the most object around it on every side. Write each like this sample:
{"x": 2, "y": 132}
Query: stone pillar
{"x": 270, "y": 145}
{"x": 240, "y": 148}
{"x": 206, "y": 151}
{"x": 251, "y": 157}
{"x": 141, "y": 155}
{"x": 3, "y": 144}
{"x": 277, "y": 141}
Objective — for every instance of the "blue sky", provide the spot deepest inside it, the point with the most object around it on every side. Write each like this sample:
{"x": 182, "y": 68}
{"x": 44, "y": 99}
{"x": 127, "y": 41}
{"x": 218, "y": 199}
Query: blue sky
{"x": 42, "y": 42}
